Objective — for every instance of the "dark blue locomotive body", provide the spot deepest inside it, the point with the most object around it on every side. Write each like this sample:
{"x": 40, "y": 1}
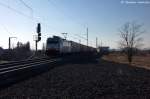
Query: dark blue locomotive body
{"x": 58, "y": 46}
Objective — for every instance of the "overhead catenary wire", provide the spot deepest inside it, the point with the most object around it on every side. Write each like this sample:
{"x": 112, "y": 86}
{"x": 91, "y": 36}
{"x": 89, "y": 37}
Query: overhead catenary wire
{"x": 31, "y": 9}
{"x": 19, "y": 12}
{"x": 23, "y": 14}
{"x": 35, "y": 19}
{"x": 4, "y": 27}
{"x": 12, "y": 9}
{"x": 80, "y": 36}
{"x": 62, "y": 12}
{"x": 28, "y": 16}
{"x": 69, "y": 17}
{"x": 27, "y": 6}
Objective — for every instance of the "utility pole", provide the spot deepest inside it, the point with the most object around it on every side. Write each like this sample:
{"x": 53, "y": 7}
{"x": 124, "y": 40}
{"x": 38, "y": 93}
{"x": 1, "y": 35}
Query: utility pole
{"x": 79, "y": 41}
{"x": 96, "y": 42}
{"x": 65, "y": 35}
{"x": 87, "y": 35}
{"x": 10, "y": 42}
{"x": 101, "y": 43}
{"x": 35, "y": 38}
{"x": 79, "y": 44}
{"x": 36, "y": 45}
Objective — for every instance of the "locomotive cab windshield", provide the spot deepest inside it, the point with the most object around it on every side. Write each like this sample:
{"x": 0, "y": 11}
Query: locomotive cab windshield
{"x": 53, "y": 45}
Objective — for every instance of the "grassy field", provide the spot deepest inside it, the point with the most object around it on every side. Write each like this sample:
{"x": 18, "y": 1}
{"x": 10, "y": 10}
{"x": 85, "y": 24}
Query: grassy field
{"x": 139, "y": 61}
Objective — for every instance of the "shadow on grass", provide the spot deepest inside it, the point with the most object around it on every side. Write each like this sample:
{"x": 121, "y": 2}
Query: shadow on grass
{"x": 82, "y": 58}
{"x": 114, "y": 68}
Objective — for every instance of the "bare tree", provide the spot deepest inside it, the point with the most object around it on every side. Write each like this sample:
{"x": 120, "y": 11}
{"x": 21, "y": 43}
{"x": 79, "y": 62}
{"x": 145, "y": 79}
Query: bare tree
{"x": 130, "y": 34}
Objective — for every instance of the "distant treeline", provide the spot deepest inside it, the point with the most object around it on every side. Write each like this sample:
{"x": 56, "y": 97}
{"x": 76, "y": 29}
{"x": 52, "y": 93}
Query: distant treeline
{"x": 20, "y": 52}
{"x": 136, "y": 51}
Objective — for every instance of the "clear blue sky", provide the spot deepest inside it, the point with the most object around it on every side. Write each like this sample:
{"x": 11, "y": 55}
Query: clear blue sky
{"x": 102, "y": 17}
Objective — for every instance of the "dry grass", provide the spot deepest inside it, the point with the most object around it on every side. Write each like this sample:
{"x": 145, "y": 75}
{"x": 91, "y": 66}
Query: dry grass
{"x": 139, "y": 61}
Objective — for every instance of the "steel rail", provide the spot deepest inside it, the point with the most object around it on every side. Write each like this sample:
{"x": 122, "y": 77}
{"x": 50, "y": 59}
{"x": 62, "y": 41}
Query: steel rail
{"x": 19, "y": 67}
{"x": 5, "y": 68}
{"x": 15, "y": 66}
{"x": 20, "y": 62}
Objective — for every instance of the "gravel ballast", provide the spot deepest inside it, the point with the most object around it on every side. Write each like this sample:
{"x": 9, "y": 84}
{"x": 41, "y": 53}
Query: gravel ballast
{"x": 98, "y": 80}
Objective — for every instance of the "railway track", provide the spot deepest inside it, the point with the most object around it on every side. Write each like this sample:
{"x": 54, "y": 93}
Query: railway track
{"x": 3, "y": 65}
{"x": 19, "y": 70}
{"x": 16, "y": 71}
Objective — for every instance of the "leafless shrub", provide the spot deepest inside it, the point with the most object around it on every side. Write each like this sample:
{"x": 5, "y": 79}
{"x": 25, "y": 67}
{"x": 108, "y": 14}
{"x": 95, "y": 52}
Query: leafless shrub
{"x": 131, "y": 40}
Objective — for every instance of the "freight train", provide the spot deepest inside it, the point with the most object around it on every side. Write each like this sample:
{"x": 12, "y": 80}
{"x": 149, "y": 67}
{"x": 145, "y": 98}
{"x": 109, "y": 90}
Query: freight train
{"x": 59, "y": 46}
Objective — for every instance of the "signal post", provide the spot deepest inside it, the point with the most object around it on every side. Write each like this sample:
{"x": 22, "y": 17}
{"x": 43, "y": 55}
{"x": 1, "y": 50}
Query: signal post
{"x": 38, "y": 37}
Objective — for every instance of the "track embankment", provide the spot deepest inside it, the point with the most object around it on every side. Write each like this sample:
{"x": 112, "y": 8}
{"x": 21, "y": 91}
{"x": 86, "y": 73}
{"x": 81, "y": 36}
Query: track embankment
{"x": 85, "y": 79}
